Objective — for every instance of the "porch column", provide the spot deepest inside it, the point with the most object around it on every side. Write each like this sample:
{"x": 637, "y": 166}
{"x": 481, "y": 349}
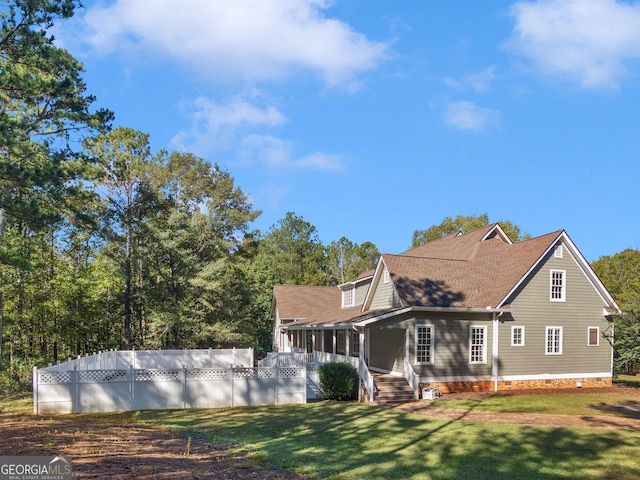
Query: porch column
{"x": 313, "y": 340}
{"x": 347, "y": 343}
{"x": 361, "y": 363}
{"x": 334, "y": 341}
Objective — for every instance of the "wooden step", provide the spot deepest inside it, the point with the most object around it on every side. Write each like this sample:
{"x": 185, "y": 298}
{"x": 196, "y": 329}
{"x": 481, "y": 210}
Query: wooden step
{"x": 391, "y": 389}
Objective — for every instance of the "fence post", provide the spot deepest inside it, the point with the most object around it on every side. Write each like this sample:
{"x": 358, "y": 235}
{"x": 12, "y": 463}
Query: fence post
{"x": 34, "y": 382}
{"x": 184, "y": 388}
{"x": 235, "y": 362}
{"x": 75, "y": 403}
{"x": 233, "y": 384}
{"x": 132, "y": 397}
{"x": 277, "y": 381}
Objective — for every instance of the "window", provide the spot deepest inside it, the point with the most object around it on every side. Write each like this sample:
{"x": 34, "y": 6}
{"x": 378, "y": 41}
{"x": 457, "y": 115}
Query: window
{"x": 558, "y": 251}
{"x": 355, "y": 344}
{"x": 554, "y": 341}
{"x": 593, "y": 339}
{"x": 517, "y": 336}
{"x": 558, "y": 286}
{"x": 340, "y": 341}
{"x": 477, "y": 345}
{"x": 347, "y": 298}
{"x": 424, "y": 344}
{"x": 385, "y": 276}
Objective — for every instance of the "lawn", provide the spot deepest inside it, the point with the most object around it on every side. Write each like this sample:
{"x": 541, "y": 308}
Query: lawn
{"x": 358, "y": 441}
{"x": 581, "y": 402}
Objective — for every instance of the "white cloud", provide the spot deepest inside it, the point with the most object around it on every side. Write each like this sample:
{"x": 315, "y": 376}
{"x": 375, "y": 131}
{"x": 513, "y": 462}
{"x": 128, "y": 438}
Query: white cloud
{"x": 215, "y": 126}
{"x": 585, "y": 41}
{"x": 478, "y": 82}
{"x": 468, "y": 116}
{"x": 248, "y": 40}
{"x": 277, "y": 154}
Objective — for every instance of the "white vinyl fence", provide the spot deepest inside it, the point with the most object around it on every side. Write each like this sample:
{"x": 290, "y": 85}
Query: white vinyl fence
{"x": 184, "y": 380}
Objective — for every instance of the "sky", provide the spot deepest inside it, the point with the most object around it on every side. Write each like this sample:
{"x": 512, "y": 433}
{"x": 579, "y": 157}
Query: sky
{"x": 373, "y": 119}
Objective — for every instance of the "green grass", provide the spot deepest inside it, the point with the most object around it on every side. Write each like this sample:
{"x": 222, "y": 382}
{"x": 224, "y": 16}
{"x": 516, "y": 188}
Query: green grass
{"x": 628, "y": 380}
{"x": 16, "y": 404}
{"x": 581, "y": 402}
{"x": 358, "y": 441}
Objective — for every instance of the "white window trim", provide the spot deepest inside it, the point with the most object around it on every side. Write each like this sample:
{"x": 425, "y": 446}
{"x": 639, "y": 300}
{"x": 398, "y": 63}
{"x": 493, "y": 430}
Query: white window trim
{"x": 546, "y": 341}
{"x": 345, "y": 299}
{"x": 589, "y": 344}
{"x": 484, "y": 344}
{"x": 521, "y": 327}
{"x": 558, "y": 252}
{"x": 385, "y": 276}
{"x": 563, "y": 297}
{"x": 431, "y": 349}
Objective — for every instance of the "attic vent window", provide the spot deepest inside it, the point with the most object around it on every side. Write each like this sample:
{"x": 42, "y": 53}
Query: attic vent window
{"x": 347, "y": 298}
{"x": 558, "y": 251}
{"x": 385, "y": 276}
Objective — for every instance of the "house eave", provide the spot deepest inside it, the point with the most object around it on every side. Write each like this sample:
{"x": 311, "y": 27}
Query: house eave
{"x": 384, "y": 316}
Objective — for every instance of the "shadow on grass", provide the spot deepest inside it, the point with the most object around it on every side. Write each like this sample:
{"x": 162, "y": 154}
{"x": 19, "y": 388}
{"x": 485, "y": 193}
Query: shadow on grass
{"x": 348, "y": 440}
{"x": 629, "y": 409}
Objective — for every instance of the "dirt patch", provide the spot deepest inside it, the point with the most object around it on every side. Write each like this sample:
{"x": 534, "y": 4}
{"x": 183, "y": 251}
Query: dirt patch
{"x": 121, "y": 450}
{"x": 127, "y": 451}
{"x": 627, "y": 414}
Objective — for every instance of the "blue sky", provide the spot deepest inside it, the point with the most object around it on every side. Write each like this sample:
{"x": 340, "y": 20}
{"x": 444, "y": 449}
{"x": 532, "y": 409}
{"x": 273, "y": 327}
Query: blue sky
{"x": 374, "y": 119}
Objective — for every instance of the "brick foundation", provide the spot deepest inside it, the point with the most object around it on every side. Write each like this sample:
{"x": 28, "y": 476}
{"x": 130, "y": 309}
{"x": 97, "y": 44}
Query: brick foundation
{"x": 489, "y": 385}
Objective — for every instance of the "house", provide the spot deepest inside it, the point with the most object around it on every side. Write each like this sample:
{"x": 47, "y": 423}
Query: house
{"x": 469, "y": 311}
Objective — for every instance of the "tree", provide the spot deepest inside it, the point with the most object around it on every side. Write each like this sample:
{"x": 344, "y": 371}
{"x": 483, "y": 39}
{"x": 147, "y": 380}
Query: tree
{"x": 294, "y": 251}
{"x": 620, "y": 273}
{"x": 200, "y": 296}
{"x": 124, "y": 154}
{"x": 346, "y": 260}
{"x": 43, "y": 113}
{"x": 465, "y": 224}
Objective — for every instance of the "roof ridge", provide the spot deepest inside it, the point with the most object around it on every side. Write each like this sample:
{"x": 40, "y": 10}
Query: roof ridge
{"x": 421, "y": 257}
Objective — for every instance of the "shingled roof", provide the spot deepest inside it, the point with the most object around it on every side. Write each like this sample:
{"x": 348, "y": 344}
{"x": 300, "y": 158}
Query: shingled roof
{"x": 474, "y": 270}
{"x": 313, "y": 305}
{"x": 464, "y": 271}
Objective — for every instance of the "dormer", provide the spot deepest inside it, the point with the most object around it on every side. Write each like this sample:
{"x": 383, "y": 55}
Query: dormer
{"x": 348, "y": 295}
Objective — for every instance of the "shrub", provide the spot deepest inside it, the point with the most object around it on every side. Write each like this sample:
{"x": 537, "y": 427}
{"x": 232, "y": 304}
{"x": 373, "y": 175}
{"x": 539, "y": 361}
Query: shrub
{"x": 338, "y": 381}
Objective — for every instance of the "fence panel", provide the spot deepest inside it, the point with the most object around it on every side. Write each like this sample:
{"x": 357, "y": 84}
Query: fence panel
{"x": 209, "y": 388}
{"x": 157, "y": 389}
{"x": 103, "y": 391}
{"x": 139, "y": 389}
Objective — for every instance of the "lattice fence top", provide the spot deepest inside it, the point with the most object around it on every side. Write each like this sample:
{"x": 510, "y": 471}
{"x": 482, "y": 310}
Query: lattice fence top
{"x": 55, "y": 377}
{"x": 209, "y": 374}
{"x": 104, "y": 376}
{"x": 157, "y": 375}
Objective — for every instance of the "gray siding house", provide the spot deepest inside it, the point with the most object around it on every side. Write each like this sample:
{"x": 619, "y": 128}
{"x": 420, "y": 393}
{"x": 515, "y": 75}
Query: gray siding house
{"x": 470, "y": 311}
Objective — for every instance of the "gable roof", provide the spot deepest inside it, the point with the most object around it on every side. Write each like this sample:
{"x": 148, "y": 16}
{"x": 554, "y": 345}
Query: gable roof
{"x": 476, "y": 270}
{"x": 464, "y": 271}
{"x": 307, "y": 305}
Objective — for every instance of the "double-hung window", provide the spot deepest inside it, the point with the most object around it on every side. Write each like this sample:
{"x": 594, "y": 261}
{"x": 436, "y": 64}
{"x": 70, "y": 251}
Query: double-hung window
{"x": 478, "y": 344}
{"x": 424, "y": 344}
{"x": 348, "y": 298}
{"x": 554, "y": 341}
{"x": 558, "y": 285}
{"x": 517, "y": 336}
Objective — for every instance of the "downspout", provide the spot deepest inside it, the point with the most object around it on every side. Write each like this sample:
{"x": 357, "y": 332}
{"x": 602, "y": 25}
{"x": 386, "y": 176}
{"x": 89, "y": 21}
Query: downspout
{"x": 496, "y": 350}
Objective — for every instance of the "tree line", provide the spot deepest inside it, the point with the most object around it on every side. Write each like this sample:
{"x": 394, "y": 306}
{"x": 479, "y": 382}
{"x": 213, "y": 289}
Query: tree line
{"x": 106, "y": 244}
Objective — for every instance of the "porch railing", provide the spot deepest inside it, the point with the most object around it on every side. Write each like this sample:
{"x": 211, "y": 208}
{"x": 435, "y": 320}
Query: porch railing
{"x": 286, "y": 359}
{"x": 412, "y": 379}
